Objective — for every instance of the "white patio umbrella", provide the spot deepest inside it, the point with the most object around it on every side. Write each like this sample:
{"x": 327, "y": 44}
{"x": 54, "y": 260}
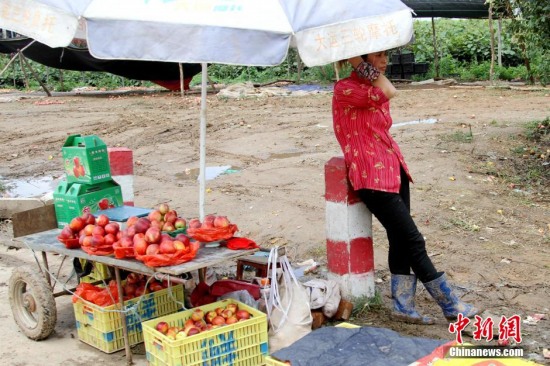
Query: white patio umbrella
{"x": 238, "y": 32}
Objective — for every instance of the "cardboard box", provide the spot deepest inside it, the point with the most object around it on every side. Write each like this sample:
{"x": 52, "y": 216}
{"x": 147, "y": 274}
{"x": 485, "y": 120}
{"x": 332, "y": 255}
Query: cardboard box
{"x": 86, "y": 160}
{"x": 73, "y": 199}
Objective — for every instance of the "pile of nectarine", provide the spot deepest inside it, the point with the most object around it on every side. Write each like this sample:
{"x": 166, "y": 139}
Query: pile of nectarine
{"x": 199, "y": 321}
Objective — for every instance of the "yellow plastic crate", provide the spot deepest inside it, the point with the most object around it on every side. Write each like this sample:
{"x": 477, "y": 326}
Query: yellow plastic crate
{"x": 107, "y": 342}
{"x": 241, "y": 343}
{"x": 101, "y": 327}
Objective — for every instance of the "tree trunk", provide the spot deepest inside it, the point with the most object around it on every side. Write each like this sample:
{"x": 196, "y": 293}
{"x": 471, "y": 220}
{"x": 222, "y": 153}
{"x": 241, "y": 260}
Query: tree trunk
{"x": 492, "y": 38}
{"x": 527, "y": 63}
{"x": 499, "y": 41}
{"x": 436, "y": 59}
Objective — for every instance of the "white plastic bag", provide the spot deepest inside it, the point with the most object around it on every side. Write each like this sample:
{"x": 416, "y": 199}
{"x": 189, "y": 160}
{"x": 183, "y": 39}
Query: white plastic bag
{"x": 324, "y": 294}
{"x": 287, "y": 305}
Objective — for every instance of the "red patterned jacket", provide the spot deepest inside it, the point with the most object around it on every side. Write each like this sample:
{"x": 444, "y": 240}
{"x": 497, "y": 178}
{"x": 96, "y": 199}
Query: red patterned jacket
{"x": 362, "y": 121}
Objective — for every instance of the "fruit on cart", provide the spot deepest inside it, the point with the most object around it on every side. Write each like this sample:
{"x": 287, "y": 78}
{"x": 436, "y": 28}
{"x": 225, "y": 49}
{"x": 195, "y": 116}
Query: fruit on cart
{"x": 208, "y": 221}
{"x": 89, "y": 218}
{"x": 232, "y": 307}
{"x": 197, "y": 314}
{"x": 98, "y": 230}
{"x": 165, "y": 218}
{"x": 142, "y": 225}
{"x": 164, "y": 208}
{"x": 227, "y": 313}
{"x": 192, "y": 331}
{"x": 199, "y": 321}
{"x": 152, "y": 235}
{"x": 102, "y": 220}
{"x": 221, "y": 221}
{"x": 112, "y": 228}
{"x": 77, "y": 224}
{"x": 140, "y": 245}
{"x": 180, "y": 223}
{"x": 88, "y": 229}
{"x": 171, "y": 216}
{"x": 209, "y": 317}
{"x": 133, "y": 278}
{"x": 213, "y": 228}
{"x": 168, "y": 247}
{"x": 194, "y": 224}
{"x": 110, "y": 239}
{"x": 242, "y": 314}
{"x": 231, "y": 320}
{"x": 218, "y": 320}
{"x": 131, "y": 221}
{"x": 155, "y": 215}
{"x": 152, "y": 249}
{"x": 162, "y": 327}
{"x": 66, "y": 233}
{"x": 168, "y": 227}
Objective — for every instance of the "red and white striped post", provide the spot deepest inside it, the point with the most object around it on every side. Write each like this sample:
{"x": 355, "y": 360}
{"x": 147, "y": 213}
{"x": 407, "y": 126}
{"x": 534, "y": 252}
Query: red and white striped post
{"x": 350, "y": 254}
{"x": 121, "y": 160}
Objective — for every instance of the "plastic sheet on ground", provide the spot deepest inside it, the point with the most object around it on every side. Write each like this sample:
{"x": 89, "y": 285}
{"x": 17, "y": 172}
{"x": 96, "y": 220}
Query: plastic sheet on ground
{"x": 333, "y": 346}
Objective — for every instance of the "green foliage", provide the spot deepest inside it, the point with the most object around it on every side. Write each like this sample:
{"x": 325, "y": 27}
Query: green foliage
{"x": 57, "y": 80}
{"x": 530, "y": 28}
{"x": 464, "y": 40}
{"x": 363, "y": 305}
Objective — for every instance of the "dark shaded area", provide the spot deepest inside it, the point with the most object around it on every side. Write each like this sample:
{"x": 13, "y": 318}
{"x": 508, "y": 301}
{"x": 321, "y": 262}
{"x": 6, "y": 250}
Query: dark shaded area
{"x": 80, "y": 59}
{"x": 448, "y": 8}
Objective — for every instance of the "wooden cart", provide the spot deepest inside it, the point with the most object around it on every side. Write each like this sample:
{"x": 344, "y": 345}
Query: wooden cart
{"x": 31, "y": 291}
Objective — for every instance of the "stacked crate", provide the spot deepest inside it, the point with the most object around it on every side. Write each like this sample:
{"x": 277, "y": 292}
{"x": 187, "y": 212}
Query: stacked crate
{"x": 403, "y": 66}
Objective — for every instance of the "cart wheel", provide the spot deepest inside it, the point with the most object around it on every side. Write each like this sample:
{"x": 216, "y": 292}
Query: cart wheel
{"x": 32, "y": 303}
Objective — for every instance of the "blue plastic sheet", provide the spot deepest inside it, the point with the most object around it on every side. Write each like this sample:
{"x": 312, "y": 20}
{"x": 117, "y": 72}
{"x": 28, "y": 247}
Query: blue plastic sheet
{"x": 333, "y": 346}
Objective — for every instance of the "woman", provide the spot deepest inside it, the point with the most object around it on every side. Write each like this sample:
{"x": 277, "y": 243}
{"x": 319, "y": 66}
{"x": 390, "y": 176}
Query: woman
{"x": 380, "y": 177}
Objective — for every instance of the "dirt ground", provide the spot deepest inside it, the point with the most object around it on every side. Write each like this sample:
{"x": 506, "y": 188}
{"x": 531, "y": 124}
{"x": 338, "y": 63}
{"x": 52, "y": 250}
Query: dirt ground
{"x": 492, "y": 238}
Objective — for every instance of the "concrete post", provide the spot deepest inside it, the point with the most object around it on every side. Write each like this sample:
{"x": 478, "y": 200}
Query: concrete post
{"x": 350, "y": 252}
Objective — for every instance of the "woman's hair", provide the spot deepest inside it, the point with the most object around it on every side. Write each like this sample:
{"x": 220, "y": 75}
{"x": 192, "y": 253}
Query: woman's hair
{"x": 340, "y": 64}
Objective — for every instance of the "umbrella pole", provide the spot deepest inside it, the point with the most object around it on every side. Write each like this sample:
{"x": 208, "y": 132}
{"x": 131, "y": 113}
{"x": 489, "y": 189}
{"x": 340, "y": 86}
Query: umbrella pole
{"x": 202, "y": 173}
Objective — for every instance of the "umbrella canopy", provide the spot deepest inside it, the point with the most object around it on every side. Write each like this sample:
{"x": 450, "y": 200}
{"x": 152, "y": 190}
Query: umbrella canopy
{"x": 239, "y": 32}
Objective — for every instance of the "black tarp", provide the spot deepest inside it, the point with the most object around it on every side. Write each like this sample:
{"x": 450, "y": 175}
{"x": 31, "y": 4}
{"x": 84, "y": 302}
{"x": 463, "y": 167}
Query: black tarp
{"x": 80, "y": 59}
{"x": 448, "y": 8}
{"x": 334, "y": 346}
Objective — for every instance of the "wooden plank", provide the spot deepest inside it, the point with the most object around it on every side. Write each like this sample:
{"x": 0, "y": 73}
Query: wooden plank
{"x": 34, "y": 221}
{"x": 47, "y": 242}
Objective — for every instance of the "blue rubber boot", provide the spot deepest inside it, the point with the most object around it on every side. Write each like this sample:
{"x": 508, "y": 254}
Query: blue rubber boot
{"x": 446, "y": 298}
{"x": 403, "y": 289}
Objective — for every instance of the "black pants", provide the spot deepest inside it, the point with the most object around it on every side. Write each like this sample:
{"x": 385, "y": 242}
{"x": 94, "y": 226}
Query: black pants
{"x": 407, "y": 245}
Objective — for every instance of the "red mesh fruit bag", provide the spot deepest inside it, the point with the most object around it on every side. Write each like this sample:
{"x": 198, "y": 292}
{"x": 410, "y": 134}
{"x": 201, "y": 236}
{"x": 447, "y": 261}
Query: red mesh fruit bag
{"x": 206, "y": 235}
{"x": 163, "y": 260}
{"x": 123, "y": 252}
{"x": 98, "y": 250}
{"x": 97, "y": 295}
